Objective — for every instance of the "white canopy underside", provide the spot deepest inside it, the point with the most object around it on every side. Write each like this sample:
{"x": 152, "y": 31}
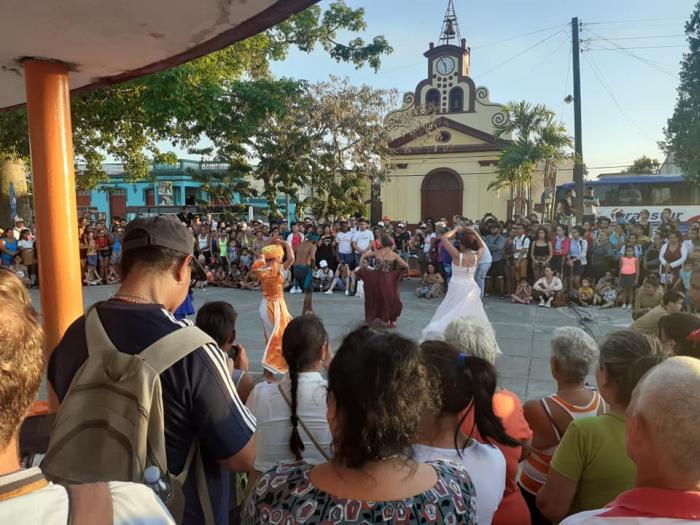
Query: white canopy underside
{"x": 110, "y": 41}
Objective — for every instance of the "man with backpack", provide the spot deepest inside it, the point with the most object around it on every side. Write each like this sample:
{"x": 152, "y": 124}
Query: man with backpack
{"x": 141, "y": 389}
{"x": 26, "y": 496}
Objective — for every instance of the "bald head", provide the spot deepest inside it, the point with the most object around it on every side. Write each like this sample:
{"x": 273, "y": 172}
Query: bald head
{"x": 667, "y": 401}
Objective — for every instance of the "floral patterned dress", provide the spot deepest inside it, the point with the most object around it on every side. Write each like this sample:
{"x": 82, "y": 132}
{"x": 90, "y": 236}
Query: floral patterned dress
{"x": 285, "y": 495}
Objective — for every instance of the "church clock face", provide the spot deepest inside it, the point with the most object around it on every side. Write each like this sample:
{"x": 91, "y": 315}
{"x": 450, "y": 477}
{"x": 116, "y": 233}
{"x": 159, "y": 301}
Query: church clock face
{"x": 446, "y": 65}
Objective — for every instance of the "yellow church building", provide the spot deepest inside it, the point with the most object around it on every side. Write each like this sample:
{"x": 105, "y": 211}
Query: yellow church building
{"x": 444, "y": 150}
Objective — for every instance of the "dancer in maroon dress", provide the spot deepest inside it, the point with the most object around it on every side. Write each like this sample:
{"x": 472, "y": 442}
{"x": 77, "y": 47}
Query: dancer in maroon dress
{"x": 382, "y": 302}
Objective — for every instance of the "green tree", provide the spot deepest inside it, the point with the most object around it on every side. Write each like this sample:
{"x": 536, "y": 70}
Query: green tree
{"x": 683, "y": 128}
{"x": 538, "y": 141}
{"x": 644, "y": 164}
{"x": 128, "y": 121}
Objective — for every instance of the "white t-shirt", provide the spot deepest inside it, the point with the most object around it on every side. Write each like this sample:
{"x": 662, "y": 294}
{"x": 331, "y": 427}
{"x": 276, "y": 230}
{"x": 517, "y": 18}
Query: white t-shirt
{"x": 486, "y": 466}
{"x": 427, "y": 243}
{"x": 344, "y": 240}
{"x": 274, "y": 427}
{"x": 519, "y": 243}
{"x": 363, "y": 240}
{"x": 132, "y": 504}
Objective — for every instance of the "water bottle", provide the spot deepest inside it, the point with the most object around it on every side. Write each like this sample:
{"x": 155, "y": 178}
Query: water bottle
{"x": 153, "y": 479}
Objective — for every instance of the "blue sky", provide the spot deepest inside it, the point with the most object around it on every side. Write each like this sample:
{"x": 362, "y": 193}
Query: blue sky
{"x": 626, "y": 100}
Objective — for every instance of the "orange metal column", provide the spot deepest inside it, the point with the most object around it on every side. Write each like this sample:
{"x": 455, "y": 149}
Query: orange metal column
{"x": 53, "y": 178}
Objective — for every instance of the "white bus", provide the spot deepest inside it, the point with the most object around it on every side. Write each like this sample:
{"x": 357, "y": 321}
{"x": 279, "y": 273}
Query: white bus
{"x": 631, "y": 195}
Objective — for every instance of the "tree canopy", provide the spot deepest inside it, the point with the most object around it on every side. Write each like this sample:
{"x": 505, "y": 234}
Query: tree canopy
{"x": 644, "y": 164}
{"x": 683, "y": 128}
{"x": 182, "y": 104}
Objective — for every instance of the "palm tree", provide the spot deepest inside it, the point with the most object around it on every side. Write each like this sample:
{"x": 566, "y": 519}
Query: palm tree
{"x": 537, "y": 140}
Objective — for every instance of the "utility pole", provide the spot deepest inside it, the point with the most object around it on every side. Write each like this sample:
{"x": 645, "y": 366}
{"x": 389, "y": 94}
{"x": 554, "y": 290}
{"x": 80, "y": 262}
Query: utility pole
{"x": 578, "y": 162}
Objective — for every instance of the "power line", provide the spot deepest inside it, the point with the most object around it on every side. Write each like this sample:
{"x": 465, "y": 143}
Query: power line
{"x": 539, "y": 42}
{"x": 628, "y": 21}
{"x": 544, "y": 60}
{"x": 634, "y": 47}
{"x": 599, "y": 75}
{"x": 639, "y": 37}
{"x": 523, "y": 35}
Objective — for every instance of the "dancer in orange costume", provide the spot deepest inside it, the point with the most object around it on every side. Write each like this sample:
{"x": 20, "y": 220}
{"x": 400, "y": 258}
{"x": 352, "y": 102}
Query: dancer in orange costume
{"x": 273, "y": 308}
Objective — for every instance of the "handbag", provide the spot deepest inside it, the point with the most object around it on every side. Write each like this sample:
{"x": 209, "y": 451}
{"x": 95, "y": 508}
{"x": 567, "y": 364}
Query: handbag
{"x": 303, "y": 426}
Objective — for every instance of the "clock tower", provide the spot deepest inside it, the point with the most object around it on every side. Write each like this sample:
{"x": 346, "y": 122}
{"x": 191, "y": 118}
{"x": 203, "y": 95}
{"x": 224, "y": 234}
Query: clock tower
{"x": 448, "y": 87}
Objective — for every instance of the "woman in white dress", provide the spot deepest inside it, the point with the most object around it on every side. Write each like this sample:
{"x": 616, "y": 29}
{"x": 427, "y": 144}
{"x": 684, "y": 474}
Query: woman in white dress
{"x": 463, "y": 295}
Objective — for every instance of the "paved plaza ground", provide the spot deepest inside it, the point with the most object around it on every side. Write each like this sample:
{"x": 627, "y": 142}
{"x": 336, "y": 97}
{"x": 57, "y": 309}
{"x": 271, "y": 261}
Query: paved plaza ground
{"x": 523, "y": 332}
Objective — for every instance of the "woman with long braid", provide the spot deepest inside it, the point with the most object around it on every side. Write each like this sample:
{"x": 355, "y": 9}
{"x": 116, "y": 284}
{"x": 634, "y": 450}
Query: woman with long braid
{"x": 291, "y": 415}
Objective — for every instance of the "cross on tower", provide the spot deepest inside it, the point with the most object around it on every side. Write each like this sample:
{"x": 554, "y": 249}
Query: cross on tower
{"x": 450, "y": 26}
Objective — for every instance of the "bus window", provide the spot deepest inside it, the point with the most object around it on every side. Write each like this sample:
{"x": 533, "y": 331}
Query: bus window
{"x": 606, "y": 194}
{"x": 660, "y": 195}
{"x": 684, "y": 193}
{"x": 629, "y": 195}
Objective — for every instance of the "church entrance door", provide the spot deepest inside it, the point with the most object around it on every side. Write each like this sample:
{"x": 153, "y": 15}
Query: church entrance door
{"x": 441, "y": 194}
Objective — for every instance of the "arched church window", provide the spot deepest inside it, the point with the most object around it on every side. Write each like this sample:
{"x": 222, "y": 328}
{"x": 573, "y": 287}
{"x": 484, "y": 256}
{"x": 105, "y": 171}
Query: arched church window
{"x": 432, "y": 100}
{"x": 456, "y": 99}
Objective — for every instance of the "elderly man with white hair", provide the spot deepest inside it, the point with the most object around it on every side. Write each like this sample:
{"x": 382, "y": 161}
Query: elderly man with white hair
{"x": 662, "y": 423}
{"x": 574, "y": 353}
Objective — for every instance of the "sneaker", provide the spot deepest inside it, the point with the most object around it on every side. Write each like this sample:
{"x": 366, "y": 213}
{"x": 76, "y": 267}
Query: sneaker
{"x": 541, "y": 302}
{"x": 347, "y": 292}
{"x": 548, "y": 304}
{"x": 328, "y": 292}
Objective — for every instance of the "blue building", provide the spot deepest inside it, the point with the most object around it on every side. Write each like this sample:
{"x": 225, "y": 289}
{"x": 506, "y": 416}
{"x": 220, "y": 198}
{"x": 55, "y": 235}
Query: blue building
{"x": 170, "y": 187}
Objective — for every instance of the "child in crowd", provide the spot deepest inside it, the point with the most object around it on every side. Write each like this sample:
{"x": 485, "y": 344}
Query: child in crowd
{"x": 234, "y": 276}
{"x": 523, "y": 293}
{"x": 323, "y": 277}
{"x": 607, "y": 293}
{"x": 683, "y": 283}
{"x": 629, "y": 271}
{"x": 585, "y": 293}
{"x": 220, "y": 277}
{"x": 250, "y": 281}
{"x": 92, "y": 278}
{"x": 432, "y": 284}
{"x": 20, "y": 270}
{"x": 112, "y": 274}
{"x": 246, "y": 259}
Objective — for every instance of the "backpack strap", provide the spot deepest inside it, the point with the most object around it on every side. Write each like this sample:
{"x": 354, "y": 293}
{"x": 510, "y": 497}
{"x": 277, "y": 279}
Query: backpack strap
{"x": 95, "y": 334}
{"x": 89, "y": 504}
{"x": 195, "y": 456}
{"x": 168, "y": 350}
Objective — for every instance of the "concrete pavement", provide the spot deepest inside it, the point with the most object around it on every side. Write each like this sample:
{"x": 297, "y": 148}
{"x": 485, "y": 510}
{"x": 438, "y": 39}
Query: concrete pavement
{"x": 523, "y": 332}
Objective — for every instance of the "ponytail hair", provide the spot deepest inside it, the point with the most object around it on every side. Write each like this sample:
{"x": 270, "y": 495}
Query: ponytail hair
{"x": 466, "y": 384}
{"x": 302, "y": 346}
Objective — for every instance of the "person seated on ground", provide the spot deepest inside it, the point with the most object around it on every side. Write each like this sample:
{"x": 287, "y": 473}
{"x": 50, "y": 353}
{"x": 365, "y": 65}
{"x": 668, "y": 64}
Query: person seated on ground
{"x": 523, "y": 293}
{"x": 585, "y": 293}
{"x": 220, "y": 277}
{"x": 199, "y": 399}
{"x": 547, "y": 287}
{"x": 234, "y": 276}
{"x": 26, "y": 497}
{"x": 20, "y": 270}
{"x": 679, "y": 333}
{"x": 342, "y": 280}
{"x": 649, "y": 295}
{"x": 472, "y": 338}
{"x": 378, "y": 393}
{"x": 648, "y": 324}
{"x": 250, "y": 281}
{"x": 324, "y": 276}
{"x": 357, "y": 283}
{"x": 432, "y": 284}
{"x": 591, "y": 467}
{"x": 464, "y": 381}
{"x": 573, "y": 354}
{"x": 291, "y": 414}
{"x": 112, "y": 274}
{"x": 218, "y": 320}
{"x": 662, "y": 442}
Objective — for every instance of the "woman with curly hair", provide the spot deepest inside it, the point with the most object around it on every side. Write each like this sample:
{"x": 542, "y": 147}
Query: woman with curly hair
{"x": 379, "y": 391}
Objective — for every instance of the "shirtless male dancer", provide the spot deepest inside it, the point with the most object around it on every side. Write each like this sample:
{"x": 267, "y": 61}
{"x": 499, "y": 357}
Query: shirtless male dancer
{"x": 304, "y": 260}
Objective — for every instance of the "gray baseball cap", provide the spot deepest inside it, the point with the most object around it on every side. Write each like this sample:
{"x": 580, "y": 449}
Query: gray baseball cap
{"x": 164, "y": 231}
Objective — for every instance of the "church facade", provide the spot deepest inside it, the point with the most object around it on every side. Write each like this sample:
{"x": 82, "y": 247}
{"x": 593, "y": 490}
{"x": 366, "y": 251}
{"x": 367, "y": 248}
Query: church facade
{"x": 444, "y": 150}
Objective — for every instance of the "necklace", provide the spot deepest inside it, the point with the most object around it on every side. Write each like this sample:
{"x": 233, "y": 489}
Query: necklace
{"x": 132, "y": 299}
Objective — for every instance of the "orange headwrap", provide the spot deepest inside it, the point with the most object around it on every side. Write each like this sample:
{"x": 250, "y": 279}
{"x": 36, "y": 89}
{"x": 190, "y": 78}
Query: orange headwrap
{"x": 272, "y": 251}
